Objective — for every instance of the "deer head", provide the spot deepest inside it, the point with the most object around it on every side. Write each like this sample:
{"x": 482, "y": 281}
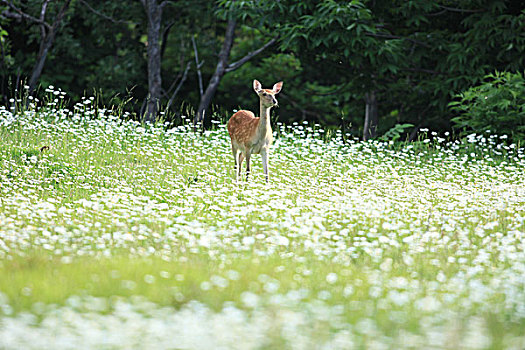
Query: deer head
{"x": 267, "y": 96}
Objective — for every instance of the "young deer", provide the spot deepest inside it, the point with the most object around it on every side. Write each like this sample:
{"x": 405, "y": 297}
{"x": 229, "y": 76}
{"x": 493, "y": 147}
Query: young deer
{"x": 252, "y": 135}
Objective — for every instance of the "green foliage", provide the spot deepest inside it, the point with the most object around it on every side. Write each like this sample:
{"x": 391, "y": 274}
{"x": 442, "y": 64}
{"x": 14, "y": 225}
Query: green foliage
{"x": 496, "y": 105}
{"x": 415, "y": 55}
{"x": 395, "y": 133}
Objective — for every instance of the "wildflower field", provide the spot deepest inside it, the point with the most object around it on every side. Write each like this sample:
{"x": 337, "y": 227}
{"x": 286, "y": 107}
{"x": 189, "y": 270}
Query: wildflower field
{"x": 113, "y": 235}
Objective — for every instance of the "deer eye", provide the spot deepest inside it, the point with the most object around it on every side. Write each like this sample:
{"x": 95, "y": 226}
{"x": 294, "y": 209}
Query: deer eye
{"x": 265, "y": 94}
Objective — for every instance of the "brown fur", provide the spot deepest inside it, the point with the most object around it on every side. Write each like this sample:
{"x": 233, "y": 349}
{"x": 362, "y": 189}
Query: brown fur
{"x": 250, "y": 134}
{"x": 242, "y": 126}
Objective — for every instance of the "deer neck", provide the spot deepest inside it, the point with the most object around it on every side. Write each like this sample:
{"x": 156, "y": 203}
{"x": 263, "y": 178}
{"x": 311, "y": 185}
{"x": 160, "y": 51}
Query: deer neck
{"x": 264, "y": 121}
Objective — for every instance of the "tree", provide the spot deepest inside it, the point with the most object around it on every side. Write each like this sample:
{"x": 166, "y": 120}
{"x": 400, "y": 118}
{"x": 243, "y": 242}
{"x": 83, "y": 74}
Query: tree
{"x": 497, "y": 105}
{"x": 223, "y": 67}
{"x": 397, "y": 62}
{"x": 371, "y": 116}
{"x": 154, "y": 18}
{"x": 403, "y": 59}
{"x": 47, "y": 32}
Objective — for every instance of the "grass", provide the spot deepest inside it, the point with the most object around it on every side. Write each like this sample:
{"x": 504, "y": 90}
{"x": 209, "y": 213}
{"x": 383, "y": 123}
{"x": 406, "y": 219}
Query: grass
{"x": 351, "y": 245}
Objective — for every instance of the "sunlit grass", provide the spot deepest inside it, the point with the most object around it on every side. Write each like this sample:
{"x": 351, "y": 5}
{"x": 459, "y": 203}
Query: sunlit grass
{"x": 105, "y": 223}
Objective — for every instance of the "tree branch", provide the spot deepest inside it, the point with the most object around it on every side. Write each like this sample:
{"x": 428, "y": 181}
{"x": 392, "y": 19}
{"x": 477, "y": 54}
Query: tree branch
{"x": 168, "y": 91}
{"x": 46, "y": 44}
{"x": 423, "y": 70}
{"x": 164, "y": 38}
{"x": 21, "y": 14}
{"x": 61, "y": 14}
{"x": 197, "y": 65}
{"x": 109, "y": 18}
{"x": 233, "y": 66}
{"x": 165, "y": 3}
{"x": 390, "y": 36}
{"x": 43, "y": 11}
{"x": 220, "y": 70}
{"x": 437, "y": 13}
{"x": 181, "y": 82}
{"x": 42, "y": 27}
{"x": 453, "y": 9}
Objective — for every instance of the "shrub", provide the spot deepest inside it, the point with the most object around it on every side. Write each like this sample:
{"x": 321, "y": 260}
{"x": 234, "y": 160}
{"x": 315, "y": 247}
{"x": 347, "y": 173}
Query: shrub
{"x": 498, "y": 105}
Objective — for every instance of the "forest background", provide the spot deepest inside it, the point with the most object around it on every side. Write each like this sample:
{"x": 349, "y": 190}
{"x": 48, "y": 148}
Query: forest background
{"x": 371, "y": 68}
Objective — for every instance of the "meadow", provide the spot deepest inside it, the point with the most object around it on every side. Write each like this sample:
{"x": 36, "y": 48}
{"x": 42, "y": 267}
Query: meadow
{"x": 115, "y": 235}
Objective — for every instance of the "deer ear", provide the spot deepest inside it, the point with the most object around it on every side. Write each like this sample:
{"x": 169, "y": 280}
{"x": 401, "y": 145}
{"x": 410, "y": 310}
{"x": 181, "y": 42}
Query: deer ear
{"x": 277, "y": 87}
{"x": 257, "y": 86}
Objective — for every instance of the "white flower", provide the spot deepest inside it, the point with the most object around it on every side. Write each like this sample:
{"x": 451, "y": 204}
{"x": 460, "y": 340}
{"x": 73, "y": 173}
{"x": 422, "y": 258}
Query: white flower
{"x": 248, "y": 240}
{"x": 250, "y": 299}
{"x": 331, "y": 278}
{"x": 205, "y": 286}
{"x": 149, "y": 279}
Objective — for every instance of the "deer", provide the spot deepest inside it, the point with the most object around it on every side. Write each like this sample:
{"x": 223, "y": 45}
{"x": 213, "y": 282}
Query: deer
{"x": 251, "y": 135}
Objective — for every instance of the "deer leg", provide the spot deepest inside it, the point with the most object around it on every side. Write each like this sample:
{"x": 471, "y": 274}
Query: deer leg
{"x": 235, "y": 152}
{"x": 239, "y": 164}
{"x": 264, "y": 155}
{"x": 248, "y": 169}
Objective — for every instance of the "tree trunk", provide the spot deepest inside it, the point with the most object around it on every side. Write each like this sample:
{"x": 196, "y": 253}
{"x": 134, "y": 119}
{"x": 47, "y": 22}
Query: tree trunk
{"x": 218, "y": 74}
{"x": 222, "y": 68}
{"x": 48, "y": 38}
{"x": 40, "y": 61}
{"x": 2, "y": 83}
{"x": 154, "y": 15}
{"x": 371, "y": 116}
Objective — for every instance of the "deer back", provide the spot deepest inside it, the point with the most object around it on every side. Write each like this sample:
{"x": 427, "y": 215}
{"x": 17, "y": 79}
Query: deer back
{"x": 242, "y": 127}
